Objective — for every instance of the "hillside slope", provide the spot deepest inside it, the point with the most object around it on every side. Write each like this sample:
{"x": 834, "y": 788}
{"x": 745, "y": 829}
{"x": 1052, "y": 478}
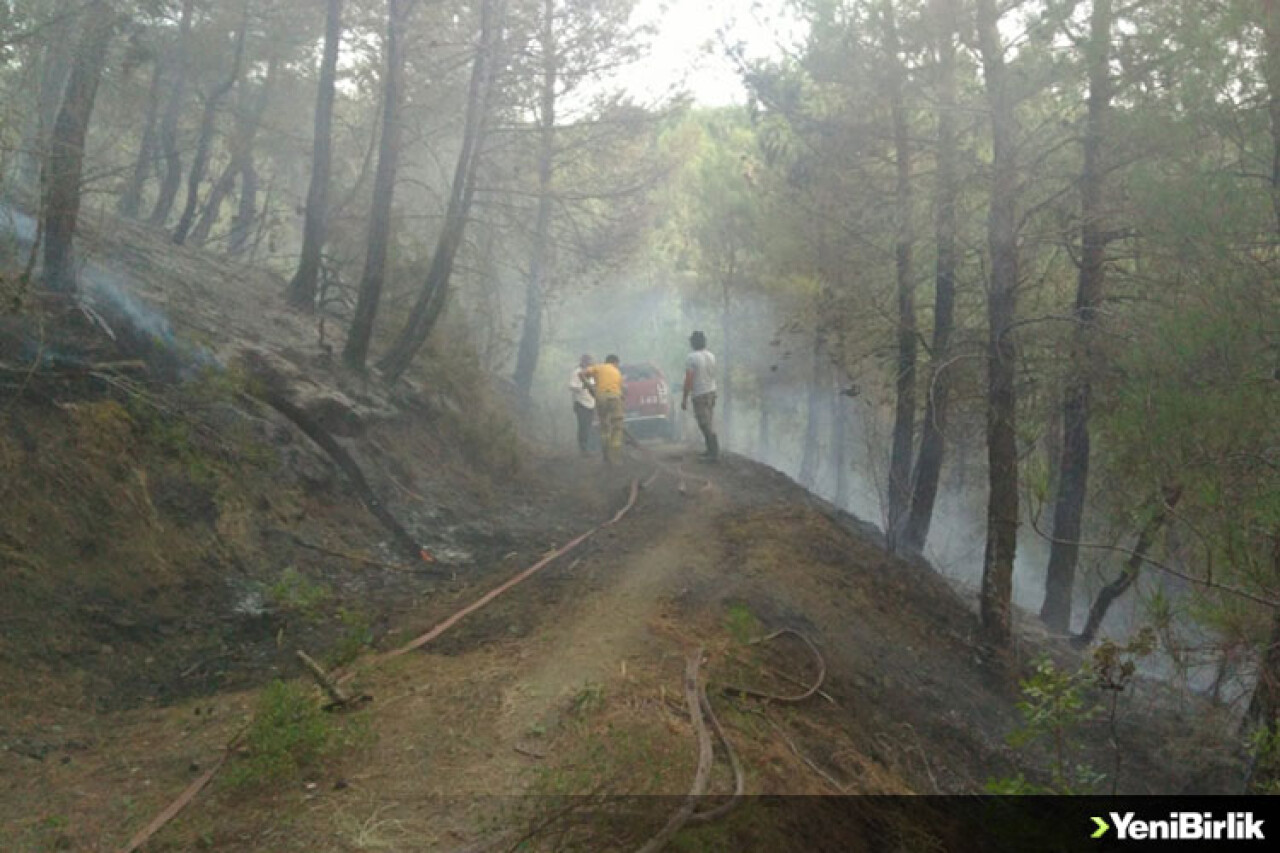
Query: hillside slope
{"x": 168, "y": 541}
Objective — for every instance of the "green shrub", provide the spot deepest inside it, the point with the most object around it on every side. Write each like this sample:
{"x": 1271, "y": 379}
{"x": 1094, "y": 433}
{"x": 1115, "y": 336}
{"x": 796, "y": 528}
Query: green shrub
{"x": 289, "y": 733}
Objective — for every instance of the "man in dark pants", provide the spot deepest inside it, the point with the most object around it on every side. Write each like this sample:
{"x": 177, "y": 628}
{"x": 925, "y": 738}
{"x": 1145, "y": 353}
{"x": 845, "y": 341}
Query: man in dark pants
{"x": 700, "y": 384}
{"x": 584, "y": 404}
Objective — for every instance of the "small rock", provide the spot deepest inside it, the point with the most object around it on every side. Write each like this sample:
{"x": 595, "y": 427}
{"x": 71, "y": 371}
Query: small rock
{"x": 340, "y": 785}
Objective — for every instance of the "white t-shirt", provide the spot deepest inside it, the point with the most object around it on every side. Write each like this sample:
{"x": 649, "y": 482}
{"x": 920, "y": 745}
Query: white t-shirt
{"x": 579, "y": 390}
{"x": 703, "y": 365}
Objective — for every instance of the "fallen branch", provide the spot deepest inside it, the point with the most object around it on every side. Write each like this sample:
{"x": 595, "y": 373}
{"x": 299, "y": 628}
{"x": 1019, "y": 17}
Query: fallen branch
{"x": 344, "y": 555}
{"x": 773, "y": 697}
{"x": 337, "y": 695}
{"x": 326, "y": 442}
{"x": 692, "y": 694}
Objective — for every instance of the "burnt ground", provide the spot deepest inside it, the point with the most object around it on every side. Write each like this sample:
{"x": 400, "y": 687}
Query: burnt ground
{"x": 167, "y": 543}
{"x": 571, "y": 684}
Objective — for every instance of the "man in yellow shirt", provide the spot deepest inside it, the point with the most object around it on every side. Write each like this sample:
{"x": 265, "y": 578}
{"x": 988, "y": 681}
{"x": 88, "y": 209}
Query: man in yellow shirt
{"x": 609, "y": 406}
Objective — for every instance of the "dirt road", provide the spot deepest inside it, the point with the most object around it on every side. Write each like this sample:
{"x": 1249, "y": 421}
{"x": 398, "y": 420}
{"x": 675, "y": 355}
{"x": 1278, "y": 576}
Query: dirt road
{"x": 570, "y": 684}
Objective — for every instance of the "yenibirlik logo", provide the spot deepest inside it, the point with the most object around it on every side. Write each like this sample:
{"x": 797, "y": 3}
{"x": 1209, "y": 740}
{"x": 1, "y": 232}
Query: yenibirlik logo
{"x": 1183, "y": 826}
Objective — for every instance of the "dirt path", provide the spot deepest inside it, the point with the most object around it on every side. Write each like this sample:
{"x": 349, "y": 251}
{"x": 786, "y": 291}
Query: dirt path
{"x": 570, "y": 684}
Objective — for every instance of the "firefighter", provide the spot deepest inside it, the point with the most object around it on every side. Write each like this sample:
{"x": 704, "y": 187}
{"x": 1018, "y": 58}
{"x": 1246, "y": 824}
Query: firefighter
{"x": 607, "y": 378}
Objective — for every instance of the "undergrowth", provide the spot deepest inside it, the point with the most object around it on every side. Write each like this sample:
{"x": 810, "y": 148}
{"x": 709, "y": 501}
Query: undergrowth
{"x": 289, "y": 736}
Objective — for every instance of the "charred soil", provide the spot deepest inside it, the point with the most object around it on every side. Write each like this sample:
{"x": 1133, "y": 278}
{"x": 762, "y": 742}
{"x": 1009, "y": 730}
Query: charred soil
{"x": 168, "y": 541}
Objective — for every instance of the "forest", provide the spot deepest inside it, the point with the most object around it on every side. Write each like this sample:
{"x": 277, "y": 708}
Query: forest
{"x": 999, "y": 277}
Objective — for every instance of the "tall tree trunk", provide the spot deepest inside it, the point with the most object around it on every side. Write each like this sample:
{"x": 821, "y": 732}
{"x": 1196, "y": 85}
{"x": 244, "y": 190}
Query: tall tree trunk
{"x": 55, "y": 61}
{"x": 1073, "y": 469}
{"x": 1271, "y": 72}
{"x": 356, "y": 351}
{"x": 808, "y": 476}
{"x": 928, "y": 467}
{"x": 434, "y": 293}
{"x": 839, "y": 438}
{"x": 247, "y": 124}
{"x": 531, "y": 334}
{"x": 212, "y": 209}
{"x": 247, "y": 212}
{"x": 176, "y": 60}
{"x": 1264, "y": 705}
{"x": 1112, "y": 591}
{"x": 200, "y": 161}
{"x": 724, "y": 384}
{"x": 131, "y": 199}
{"x": 1002, "y": 240}
{"x": 64, "y": 163}
{"x": 302, "y": 288}
{"x": 904, "y": 417}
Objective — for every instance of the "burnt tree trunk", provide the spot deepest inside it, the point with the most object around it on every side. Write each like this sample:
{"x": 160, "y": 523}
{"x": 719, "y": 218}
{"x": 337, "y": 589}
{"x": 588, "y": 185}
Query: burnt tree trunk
{"x": 808, "y": 476}
{"x": 435, "y": 288}
{"x": 724, "y": 385}
{"x": 54, "y": 62}
{"x": 356, "y": 351}
{"x": 1132, "y": 567}
{"x": 839, "y": 437}
{"x": 177, "y": 61}
{"x": 1073, "y": 468}
{"x": 64, "y": 163}
{"x": 303, "y": 285}
{"x": 1002, "y": 240}
{"x": 247, "y": 124}
{"x": 928, "y": 466}
{"x": 208, "y": 120}
{"x": 247, "y": 210}
{"x": 144, "y": 165}
{"x": 904, "y": 417}
{"x": 531, "y": 334}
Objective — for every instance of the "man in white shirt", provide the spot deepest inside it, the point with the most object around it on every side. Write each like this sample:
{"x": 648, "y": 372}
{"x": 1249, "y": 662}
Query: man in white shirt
{"x": 584, "y": 404}
{"x": 700, "y": 385}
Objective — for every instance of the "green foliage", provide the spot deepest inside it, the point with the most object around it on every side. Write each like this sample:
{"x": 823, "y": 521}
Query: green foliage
{"x": 1053, "y": 708}
{"x": 588, "y": 700}
{"x": 296, "y": 593}
{"x": 289, "y": 734}
{"x": 1264, "y": 745}
{"x": 741, "y": 623}
{"x": 357, "y": 635}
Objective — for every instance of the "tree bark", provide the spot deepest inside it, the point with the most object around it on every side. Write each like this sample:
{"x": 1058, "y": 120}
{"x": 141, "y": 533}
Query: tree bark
{"x": 435, "y": 288}
{"x": 200, "y": 161}
{"x": 1002, "y": 240}
{"x": 808, "y": 475}
{"x": 247, "y": 211}
{"x": 928, "y": 466}
{"x": 1271, "y": 72}
{"x": 1073, "y": 469}
{"x": 64, "y": 163}
{"x": 177, "y": 60}
{"x": 302, "y": 288}
{"x": 247, "y": 124}
{"x": 55, "y": 59}
{"x": 131, "y": 199}
{"x": 531, "y": 334}
{"x": 1133, "y": 566}
{"x": 839, "y": 436}
{"x": 356, "y": 351}
{"x": 904, "y": 418}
